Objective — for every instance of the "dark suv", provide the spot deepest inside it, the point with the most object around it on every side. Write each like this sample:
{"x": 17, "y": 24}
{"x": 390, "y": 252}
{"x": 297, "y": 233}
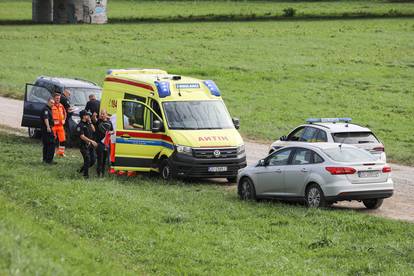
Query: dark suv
{"x": 37, "y": 94}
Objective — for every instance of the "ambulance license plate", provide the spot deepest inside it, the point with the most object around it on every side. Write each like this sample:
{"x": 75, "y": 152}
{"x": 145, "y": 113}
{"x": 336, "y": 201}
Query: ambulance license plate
{"x": 217, "y": 169}
{"x": 366, "y": 174}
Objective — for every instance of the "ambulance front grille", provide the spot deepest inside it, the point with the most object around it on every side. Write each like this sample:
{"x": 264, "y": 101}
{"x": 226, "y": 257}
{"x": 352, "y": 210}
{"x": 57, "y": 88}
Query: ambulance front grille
{"x": 212, "y": 153}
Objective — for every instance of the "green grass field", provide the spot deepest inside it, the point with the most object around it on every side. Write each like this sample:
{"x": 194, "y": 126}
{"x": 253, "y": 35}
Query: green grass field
{"x": 273, "y": 75}
{"x": 53, "y": 222}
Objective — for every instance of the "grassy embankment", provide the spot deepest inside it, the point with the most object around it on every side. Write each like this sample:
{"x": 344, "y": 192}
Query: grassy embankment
{"x": 53, "y": 222}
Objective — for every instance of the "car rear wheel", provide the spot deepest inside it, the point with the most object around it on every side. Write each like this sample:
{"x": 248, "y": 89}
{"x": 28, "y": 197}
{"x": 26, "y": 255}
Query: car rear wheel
{"x": 34, "y": 133}
{"x": 314, "y": 197}
{"x": 373, "y": 203}
{"x": 246, "y": 189}
{"x": 166, "y": 171}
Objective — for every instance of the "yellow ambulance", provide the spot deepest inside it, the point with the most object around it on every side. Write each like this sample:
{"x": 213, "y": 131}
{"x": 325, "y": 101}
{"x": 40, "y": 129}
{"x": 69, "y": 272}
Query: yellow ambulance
{"x": 175, "y": 125}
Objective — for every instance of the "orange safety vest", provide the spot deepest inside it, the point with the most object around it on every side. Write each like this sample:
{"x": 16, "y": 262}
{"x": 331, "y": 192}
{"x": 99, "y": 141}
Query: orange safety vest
{"x": 58, "y": 114}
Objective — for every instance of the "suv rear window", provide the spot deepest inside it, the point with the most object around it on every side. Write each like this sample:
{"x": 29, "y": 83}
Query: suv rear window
{"x": 354, "y": 137}
{"x": 349, "y": 154}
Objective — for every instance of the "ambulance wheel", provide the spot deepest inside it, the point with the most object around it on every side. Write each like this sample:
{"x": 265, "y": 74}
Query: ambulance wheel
{"x": 166, "y": 170}
{"x": 34, "y": 133}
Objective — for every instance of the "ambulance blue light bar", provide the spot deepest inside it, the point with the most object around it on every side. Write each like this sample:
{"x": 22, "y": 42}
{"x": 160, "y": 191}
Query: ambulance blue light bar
{"x": 211, "y": 85}
{"x": 328, "y": 120}
{"x": 163, "y": 88}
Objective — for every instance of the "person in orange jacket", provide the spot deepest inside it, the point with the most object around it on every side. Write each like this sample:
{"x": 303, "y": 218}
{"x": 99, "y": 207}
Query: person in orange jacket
{"x": 59, "y": 119}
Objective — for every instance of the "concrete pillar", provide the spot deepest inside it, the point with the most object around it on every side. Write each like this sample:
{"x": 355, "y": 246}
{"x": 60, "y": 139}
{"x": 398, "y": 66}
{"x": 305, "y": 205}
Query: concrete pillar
{"x": 70, "y": 11}
{"x": 42, "y": 11}
{"x": 95, "y": 11}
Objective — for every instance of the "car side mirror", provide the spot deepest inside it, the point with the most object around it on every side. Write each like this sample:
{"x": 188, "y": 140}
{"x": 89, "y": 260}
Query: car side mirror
{"x": 156, "y": 126}
{"x": 261, "y": 163}
{"x": 283, "y": 138}
{"x": 236, "y": 122}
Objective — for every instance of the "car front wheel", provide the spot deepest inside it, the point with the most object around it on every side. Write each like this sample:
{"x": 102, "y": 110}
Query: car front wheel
{"x": 246, "y": 189}
{"x": 314, "y": 197}
{"x": 373, "y": 203}
{"x": 166, "y": 171}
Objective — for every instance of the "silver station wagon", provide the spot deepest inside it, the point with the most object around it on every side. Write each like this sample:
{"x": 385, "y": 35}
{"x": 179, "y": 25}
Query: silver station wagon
{"x": 319, "y": 174}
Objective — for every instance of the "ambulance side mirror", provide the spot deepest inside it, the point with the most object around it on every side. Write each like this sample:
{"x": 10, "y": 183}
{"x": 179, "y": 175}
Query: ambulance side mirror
{"x": 156, "y": 126}
{"x": 236, "y": 123}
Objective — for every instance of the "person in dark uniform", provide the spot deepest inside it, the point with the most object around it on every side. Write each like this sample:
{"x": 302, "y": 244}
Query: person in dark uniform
{"x": 64, "y": 100}
{"x": 93, "y": 105}
{"x": 87, "y": 146}
{"x": 48, "y": 138}
{"x": 102, "y": 127}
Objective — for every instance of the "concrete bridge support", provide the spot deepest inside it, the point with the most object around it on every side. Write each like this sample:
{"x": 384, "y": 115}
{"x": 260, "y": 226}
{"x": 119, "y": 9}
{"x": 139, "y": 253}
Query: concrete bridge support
{"x": 69, "y": 11}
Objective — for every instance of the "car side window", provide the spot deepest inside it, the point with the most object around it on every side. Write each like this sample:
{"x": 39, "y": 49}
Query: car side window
{"x": 302, "y": 157}
{"x": 317, "y": 158}
{"x": 308, "y": 134}
{"x": 128, "y": 96}
{"x": 37, "y": 94}
{"x": 279, "y": 158}
{"x": 321, "y": 136}
{"x": 296, "y": 134}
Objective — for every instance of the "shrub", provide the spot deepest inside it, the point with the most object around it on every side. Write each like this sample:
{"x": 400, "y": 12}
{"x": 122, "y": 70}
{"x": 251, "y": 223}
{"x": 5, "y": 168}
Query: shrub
{"x": 289, "y": 12}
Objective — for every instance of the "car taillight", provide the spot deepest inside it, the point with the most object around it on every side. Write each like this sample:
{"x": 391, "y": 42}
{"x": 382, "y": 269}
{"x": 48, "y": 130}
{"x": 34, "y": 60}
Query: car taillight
{"x": 340, "y": 170}
{"x": 379, "y": 149}
{"x": 386, "y": 169}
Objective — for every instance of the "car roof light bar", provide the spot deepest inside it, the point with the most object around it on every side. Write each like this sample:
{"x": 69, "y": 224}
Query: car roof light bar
{"x": 328, "y": 120}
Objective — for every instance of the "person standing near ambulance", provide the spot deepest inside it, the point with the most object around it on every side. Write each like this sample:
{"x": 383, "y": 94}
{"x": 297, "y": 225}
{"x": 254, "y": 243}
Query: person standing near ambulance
{"x": 48, "y": 138}
{"x": 59, "y": 119}
{"x": 87, "y": 146}
{"x": 103, "y": 128}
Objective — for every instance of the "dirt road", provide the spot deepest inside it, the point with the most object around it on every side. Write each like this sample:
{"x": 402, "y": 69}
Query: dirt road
{"x": 400, "y": 206}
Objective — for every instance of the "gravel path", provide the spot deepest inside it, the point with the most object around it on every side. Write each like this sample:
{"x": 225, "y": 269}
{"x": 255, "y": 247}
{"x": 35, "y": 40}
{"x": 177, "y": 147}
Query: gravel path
{"x": 400, "y": 206}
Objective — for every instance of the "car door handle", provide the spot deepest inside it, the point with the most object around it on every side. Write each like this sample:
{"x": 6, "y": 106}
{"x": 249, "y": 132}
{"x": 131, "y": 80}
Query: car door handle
{"x": 125, "y": 136}
{"x": 304, "y": 170}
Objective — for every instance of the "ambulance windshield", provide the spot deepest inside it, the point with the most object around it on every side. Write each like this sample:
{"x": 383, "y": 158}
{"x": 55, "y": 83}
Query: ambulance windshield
{"x": 197, "y": 115}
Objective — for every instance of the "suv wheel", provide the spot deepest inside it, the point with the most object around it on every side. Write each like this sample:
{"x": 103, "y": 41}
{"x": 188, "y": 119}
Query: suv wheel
{"x": 246, "y": 189}
{"x": 314, "y": 197}
{"x": 166, "y": 171}
{"x": 373, "y": 203}
{"x": 33, "y": 132}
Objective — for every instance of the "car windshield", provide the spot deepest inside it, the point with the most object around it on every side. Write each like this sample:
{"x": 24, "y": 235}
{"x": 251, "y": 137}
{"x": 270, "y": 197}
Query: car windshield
{"x": 197, "y": 115}
{"x": 80, "y": 96}
{"x": 354, "y": 137}
{"x": 344, "y": 154}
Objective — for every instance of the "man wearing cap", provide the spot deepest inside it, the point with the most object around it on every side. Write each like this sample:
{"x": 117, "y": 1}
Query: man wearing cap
{"x": 87, "y": 146}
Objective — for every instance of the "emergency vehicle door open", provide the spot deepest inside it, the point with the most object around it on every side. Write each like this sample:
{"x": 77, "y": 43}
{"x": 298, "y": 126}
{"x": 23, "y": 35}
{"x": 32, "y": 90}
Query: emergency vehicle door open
{"x": 138, "y": 139}
{"x": 35, "y": 99}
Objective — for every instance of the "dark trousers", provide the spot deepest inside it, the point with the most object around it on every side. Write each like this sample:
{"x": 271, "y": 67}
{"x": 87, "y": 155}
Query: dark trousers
{"x": 48, "y": 140}
{"x": 102, "y": 156}
{"x": 89, "y": 159}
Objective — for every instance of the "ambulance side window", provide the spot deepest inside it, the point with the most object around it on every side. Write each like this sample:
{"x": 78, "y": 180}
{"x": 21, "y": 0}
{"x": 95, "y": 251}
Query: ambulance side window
{"x": 133, "y": 114}
{"x": 134, "y": 97}
{"x": 156, "y": 107}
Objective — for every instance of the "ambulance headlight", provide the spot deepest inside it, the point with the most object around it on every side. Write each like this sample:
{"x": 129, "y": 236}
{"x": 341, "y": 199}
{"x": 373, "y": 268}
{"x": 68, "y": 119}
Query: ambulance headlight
{"x": 76, "y": 119}
{"x": 184, "y": 149}
{"x": 240, "y": 149}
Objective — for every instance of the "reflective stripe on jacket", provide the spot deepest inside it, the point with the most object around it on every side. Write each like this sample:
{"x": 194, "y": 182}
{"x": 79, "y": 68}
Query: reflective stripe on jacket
{"x": 58, "y": 114}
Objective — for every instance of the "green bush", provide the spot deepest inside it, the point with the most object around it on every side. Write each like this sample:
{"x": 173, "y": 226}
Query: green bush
{"x": 289, "y": 12}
